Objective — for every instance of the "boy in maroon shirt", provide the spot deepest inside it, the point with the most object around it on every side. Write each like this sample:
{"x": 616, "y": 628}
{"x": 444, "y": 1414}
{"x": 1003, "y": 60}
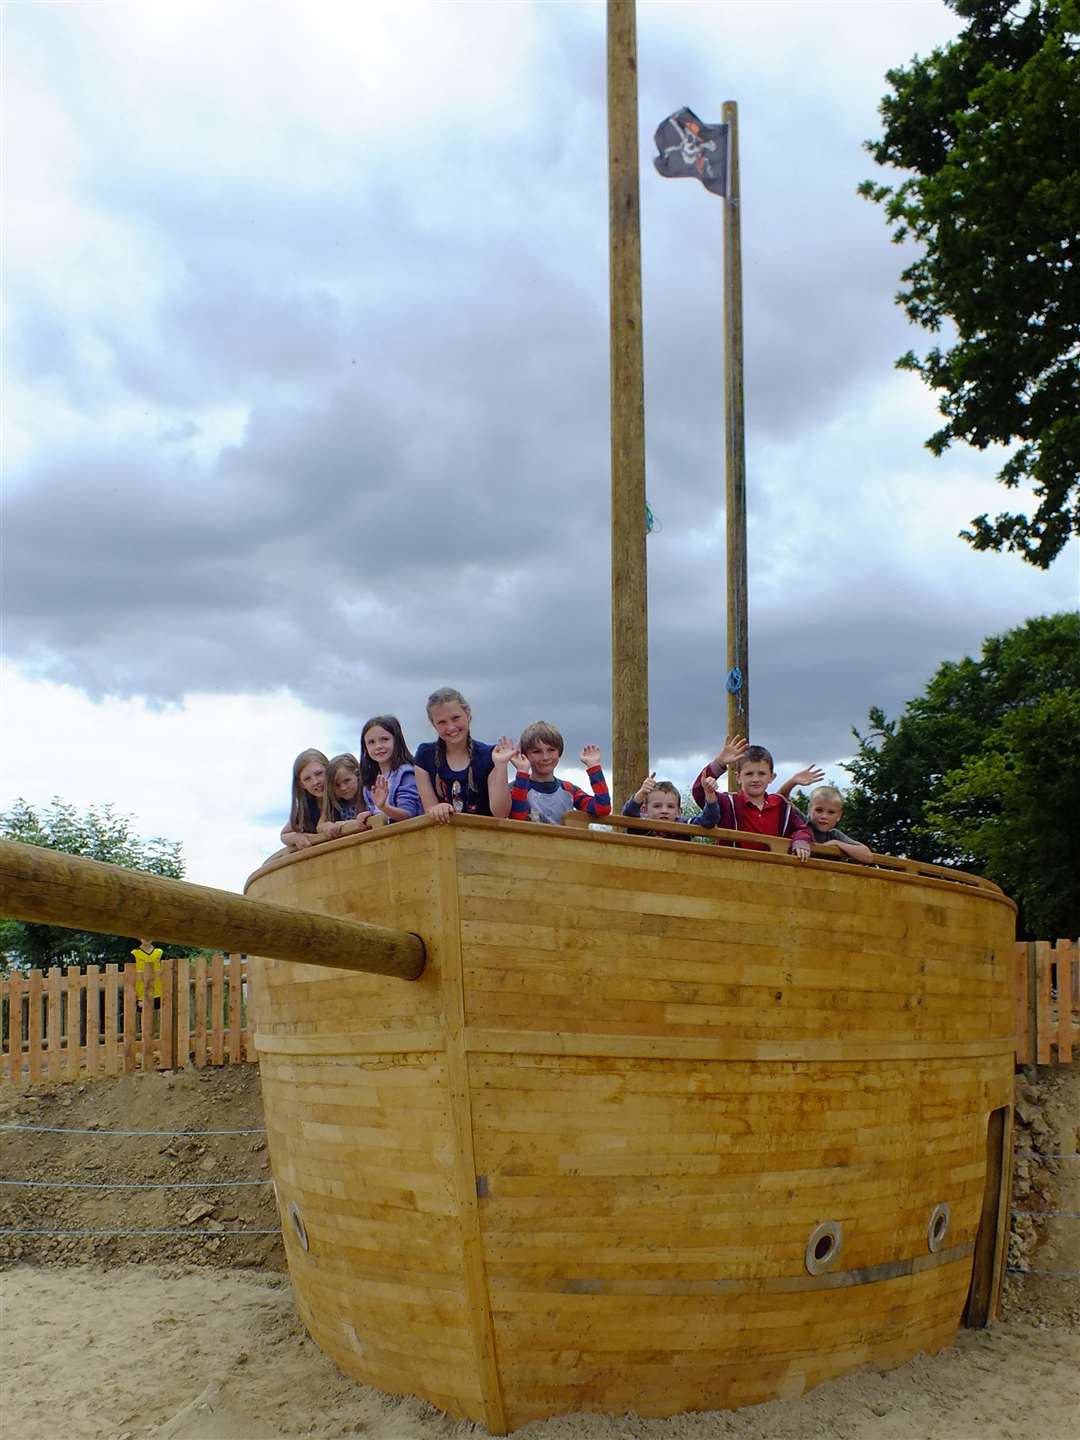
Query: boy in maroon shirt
{"x": 751, "y": 807}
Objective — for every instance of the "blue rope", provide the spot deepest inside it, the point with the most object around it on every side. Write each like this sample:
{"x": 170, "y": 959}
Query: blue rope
{"x": 734, "y": 682}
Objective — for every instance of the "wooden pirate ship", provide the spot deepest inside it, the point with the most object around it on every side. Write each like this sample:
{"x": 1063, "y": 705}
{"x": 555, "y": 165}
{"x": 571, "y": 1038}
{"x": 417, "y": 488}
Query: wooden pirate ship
{"x": 661, "y": 1126}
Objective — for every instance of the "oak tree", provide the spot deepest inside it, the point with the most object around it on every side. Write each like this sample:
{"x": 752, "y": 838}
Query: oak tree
{"x": 989, "y": 129}
{"x": 983, "y": 771}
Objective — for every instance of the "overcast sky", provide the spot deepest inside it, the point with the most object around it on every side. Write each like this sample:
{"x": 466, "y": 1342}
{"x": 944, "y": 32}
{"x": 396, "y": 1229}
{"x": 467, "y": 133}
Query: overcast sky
{"x": 305, "y": 394}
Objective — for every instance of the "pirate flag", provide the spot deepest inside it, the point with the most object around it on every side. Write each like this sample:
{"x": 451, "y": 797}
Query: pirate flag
{"x": 688, "y": 147}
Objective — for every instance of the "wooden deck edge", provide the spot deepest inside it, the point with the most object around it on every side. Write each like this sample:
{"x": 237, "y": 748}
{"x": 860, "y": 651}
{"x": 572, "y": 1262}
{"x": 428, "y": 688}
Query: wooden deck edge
{"x": 916, "y": 875}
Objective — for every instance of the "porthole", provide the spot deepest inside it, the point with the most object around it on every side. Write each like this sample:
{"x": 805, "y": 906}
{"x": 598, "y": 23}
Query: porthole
{"x": 823, "y": 1247}
{"x": 298, "y": 1224}
{"x": 938, "y": 1228}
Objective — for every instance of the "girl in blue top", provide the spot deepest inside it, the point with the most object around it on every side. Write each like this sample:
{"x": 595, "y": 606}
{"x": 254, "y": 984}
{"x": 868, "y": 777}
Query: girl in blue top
{"x": 386, "y": 770}
{"x": 455, "y": 773}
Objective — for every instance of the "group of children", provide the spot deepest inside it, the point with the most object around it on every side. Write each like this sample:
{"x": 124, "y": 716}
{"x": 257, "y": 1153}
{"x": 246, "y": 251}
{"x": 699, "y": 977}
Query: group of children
{"x": 456, "y": 774}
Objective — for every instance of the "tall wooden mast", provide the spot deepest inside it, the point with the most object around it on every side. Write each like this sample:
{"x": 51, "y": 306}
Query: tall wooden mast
{"x": 629, "y": 602}
{"x": 738, "y": 676}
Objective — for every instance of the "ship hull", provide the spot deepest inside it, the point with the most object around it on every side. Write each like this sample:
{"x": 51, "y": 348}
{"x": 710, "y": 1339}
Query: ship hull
{"x": 662, "y": 1126}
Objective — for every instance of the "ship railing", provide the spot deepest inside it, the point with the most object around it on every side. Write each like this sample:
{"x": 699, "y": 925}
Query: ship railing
{"x": 752, "y": 845}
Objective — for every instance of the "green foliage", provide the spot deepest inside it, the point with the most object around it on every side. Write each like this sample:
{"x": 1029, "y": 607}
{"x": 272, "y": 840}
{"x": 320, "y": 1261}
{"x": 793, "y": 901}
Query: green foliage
{"x": 990, "y": 126}
{"x": 100, "y": 834}
{"x": 983, "y": 771}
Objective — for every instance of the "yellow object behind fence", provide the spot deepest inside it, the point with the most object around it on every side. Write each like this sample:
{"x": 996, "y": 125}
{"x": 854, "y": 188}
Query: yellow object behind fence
{"x": 142, "y": 960}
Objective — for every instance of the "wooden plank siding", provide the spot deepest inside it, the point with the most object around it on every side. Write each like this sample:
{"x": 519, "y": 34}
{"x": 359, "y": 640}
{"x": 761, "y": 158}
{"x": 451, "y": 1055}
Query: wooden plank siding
{"x": 71, "y": 1025}
{"x": 576, "y": 1165}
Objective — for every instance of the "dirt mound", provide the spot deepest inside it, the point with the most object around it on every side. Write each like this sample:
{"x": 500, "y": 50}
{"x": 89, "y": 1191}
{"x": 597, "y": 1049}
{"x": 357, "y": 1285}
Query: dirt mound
{"x": 182, "y": 1101}
{"x": 1046, "y": 1183}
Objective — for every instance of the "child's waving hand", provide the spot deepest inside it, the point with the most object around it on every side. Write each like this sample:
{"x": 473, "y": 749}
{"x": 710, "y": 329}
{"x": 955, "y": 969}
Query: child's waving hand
{"x": 645, "y": 789}
{"x": 812, "y": 775}
{"x": 503, "y": 750}
{"x": 732, "y": 748}
{"x": 520, "y": 762}
{"x": 590, "y": 756}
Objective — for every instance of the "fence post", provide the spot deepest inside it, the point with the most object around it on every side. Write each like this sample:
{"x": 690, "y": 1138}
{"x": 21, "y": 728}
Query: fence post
{"x": 183, "y": 1012}
{"x": 167, "y": 1042}
{"x": 53, "y": 1034}
{"x": 73, "y": 987}
{"x": 236, "y": 987}
{"x": 130, "y": 1012}
{"x": 15, "y": 1027}
{"x": 93, "y": 994}
{"x": 34, "y": 1024}
{"x": 1063, "y": 954}
{"x": 1046, "y": 1034}
{"x": 200, "y": 1011}
{"x": 1033, "y": 1013}
{"x": 217, "y": 1041}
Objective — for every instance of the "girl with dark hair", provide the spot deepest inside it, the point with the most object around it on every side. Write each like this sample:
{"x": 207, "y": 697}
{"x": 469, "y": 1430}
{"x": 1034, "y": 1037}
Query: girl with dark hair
{"x": 455, "y": 773}
{"x": 308, "y": 784}
{"x": 386, "y": 770}
{"x": 343, "y": 811}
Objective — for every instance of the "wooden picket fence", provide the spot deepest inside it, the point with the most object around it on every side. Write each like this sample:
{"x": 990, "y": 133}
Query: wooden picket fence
{"x": 1047, "y": 1002}
{"x": 70, "y": 1024}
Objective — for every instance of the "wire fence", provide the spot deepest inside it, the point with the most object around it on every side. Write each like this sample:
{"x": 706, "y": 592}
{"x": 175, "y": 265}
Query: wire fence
{"x": 213, "y": 1230}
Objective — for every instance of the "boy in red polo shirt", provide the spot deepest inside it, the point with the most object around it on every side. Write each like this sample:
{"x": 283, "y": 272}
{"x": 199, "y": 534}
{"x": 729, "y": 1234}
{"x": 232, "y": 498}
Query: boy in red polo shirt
{"x": 751, "y": 807}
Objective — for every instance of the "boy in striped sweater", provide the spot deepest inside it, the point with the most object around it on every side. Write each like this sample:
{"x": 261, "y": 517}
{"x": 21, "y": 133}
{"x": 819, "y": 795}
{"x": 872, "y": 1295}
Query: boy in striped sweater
{"x": 538, "y": 794}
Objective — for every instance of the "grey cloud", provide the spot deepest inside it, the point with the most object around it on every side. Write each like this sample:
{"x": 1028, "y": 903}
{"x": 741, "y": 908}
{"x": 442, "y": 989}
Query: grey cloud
{"x": 420, "y": 494}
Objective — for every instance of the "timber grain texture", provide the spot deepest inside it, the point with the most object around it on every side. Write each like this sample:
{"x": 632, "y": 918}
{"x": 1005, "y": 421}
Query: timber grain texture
{"x": 575, "y": 1165}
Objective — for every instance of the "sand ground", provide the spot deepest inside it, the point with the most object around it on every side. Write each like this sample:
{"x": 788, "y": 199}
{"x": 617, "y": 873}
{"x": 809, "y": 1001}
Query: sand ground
{"x": 167, "y": 1339}
{"x": 158, "y": 1353}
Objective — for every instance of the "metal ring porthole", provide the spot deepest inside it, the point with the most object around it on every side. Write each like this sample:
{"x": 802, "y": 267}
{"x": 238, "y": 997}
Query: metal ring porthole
{"x": 298, "y": 1224}
{"x": 938, "y": 1228}
{"x": 823, "y": 1247}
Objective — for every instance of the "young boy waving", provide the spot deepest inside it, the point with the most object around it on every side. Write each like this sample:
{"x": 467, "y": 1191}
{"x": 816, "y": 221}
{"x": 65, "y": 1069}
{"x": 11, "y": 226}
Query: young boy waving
{"x": 751, "y": 807}
{"x": 537, "y": 792}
